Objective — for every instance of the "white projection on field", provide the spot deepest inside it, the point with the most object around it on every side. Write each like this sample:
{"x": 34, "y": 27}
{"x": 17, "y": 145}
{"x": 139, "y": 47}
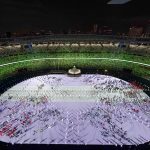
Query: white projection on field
{"x": 90, "y": 109}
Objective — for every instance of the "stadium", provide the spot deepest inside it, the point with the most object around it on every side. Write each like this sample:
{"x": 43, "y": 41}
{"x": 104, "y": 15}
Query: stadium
{"x": 41, "y": 103}
{"x": 75, "y": 91}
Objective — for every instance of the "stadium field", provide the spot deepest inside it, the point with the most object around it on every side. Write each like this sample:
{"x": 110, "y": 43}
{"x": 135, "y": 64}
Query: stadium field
{"x": 99, "y": 60}
{"x": 110, "y": 97}
{"x": 90, "y": 109}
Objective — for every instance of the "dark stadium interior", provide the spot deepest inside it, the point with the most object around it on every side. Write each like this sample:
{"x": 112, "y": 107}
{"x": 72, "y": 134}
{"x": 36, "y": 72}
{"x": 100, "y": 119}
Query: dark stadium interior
{"x": 39, "y": 38}
{"x": 62, "y": 16}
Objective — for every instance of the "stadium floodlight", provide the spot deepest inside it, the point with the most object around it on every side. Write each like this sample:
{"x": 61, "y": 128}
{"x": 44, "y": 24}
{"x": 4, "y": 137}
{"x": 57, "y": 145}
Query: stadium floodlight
{"x": 118, "y": 1}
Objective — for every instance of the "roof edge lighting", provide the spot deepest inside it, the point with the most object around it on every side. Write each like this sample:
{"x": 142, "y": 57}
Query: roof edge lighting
{"x": 118, "y": 2}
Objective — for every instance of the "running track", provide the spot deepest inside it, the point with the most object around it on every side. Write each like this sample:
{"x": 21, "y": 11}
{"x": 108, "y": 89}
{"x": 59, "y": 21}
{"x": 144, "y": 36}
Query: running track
{"x": 109, "y": 59}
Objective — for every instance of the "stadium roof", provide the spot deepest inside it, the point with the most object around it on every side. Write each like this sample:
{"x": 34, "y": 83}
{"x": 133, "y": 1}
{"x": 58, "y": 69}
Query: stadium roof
{"x": 65, "y": 13}
{"x": 118, "y": 1}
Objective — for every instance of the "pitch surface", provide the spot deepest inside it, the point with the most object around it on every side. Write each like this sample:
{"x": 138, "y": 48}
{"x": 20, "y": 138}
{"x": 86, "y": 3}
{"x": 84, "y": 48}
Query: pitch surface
{"x": 90, "y": 109}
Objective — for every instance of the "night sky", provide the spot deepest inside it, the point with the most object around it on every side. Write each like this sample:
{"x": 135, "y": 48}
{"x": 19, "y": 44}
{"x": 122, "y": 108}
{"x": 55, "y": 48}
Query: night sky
{"x": 17, "y": 15}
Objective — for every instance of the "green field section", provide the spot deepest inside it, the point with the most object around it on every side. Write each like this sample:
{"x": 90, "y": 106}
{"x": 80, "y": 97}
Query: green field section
{"x": 68, "y": 59}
